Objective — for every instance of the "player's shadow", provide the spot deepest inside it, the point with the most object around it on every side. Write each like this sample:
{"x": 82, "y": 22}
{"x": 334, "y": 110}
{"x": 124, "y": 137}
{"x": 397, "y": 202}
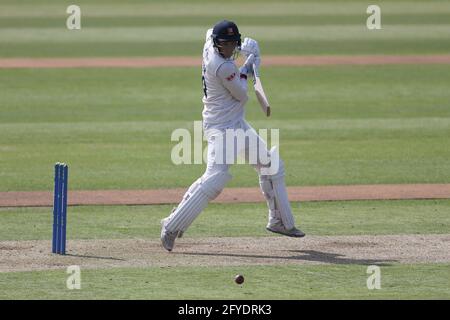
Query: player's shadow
{"x": 93, "y": 257}
{"x": 334, "y": 258}
{"x": 306, "y": 255}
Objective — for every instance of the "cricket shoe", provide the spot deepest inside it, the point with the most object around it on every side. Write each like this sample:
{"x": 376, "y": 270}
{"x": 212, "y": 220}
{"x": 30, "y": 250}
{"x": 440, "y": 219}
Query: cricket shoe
{"x": 280, "y": 228}
{"x": 167, "y": 237}
{"x": 181, "y": 232}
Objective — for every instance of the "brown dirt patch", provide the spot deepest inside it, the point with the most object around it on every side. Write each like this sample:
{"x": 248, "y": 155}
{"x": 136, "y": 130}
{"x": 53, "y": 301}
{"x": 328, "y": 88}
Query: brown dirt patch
{"x": 92, "y": 254}
{"x": 229, "y": 195}
{"x": 152, "y": 62}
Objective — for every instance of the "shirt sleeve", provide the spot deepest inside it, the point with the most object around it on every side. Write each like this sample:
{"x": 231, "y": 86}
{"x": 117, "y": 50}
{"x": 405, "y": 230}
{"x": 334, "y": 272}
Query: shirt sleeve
{"x": 233, "y": 80}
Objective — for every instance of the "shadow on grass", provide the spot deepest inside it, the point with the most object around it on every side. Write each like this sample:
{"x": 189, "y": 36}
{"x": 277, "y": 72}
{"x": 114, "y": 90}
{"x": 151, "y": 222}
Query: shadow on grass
{"x": 306, "y": 255}
{"x": 334, "y": 258}
{"x": 94, "y": 257}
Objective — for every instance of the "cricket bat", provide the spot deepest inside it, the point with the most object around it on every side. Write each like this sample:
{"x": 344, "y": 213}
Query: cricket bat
{"x": 259, "y": 91}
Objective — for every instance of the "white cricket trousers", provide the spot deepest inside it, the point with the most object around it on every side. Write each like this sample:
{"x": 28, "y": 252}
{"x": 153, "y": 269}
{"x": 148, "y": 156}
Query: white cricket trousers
{"x": 224, "y": 149}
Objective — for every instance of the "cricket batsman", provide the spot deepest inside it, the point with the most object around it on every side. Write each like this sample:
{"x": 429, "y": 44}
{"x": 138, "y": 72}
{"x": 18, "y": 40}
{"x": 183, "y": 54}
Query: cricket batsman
{"x": 225, "y": 96}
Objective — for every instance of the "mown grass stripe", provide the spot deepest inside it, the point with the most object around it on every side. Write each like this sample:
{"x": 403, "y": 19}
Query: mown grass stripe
{"x": 205, "y": 21}
{"x": 237, "y": 9}
{"x": 169, "y": 34}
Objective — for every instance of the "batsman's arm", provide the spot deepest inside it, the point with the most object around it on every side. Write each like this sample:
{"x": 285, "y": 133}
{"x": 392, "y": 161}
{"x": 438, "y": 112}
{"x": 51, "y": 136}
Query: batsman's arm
{"x": 231, "y": 79}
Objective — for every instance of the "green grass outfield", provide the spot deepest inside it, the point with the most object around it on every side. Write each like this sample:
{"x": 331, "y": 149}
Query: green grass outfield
{"x": 416, "y": 281}
{"x": 143, "y": 28}
{"x": 348, "y": 281}
{"x": 338, "y": 125}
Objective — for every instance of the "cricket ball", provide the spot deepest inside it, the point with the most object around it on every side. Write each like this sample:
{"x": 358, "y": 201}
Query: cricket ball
{"x": 239, "y": 279}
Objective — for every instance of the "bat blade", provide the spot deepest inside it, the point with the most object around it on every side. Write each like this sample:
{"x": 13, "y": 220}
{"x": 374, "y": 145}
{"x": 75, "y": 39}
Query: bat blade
{"x": 259, "y": 91}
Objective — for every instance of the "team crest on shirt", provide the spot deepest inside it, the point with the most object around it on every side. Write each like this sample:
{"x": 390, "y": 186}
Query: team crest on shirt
{"x": 231, "y": 77}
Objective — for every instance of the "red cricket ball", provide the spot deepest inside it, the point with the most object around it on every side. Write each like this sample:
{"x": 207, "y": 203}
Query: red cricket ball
{"x": 239, "y": 279}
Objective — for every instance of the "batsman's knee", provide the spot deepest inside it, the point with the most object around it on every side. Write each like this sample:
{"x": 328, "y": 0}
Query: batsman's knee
{"x": 213, "y": 185}
{"x": 274, "y": 169}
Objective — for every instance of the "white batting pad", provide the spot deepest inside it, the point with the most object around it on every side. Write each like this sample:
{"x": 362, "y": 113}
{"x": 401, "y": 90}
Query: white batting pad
{"x": 282, "y": 202}
{"x": 274, "y": 190}
{"x": 196, "y": 199}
